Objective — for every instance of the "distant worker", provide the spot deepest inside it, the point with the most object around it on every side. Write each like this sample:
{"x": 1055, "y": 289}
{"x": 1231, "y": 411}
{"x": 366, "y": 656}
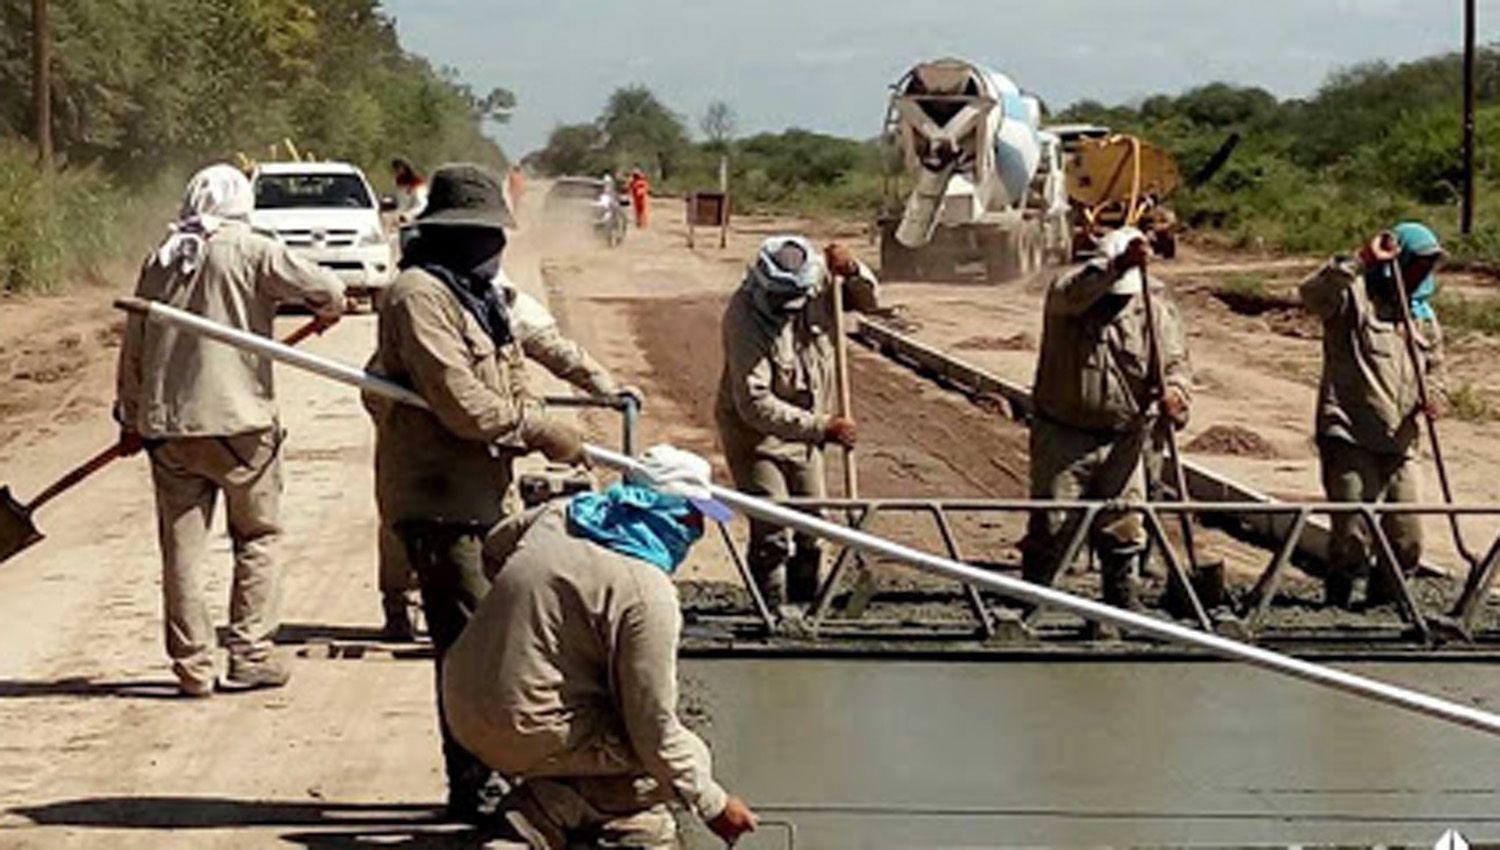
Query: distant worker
{"x": 515, "y": 185}
{"x": 565, "y": 682}
{"x": 206, "y": 413}
{"x": 411, "y": 191}
{"x": 640, "y": 197}
{"x": 1095, "y": 408}
{"x": 442, "y": 473}
{"x": 777, "y": 394}
{"x": 540, "y": 339}
{"x": 1368, "y": 403}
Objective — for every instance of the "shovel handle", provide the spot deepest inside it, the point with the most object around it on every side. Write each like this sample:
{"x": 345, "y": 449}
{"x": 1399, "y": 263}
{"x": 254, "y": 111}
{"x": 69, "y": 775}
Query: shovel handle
{"x": 78, "y": 473}
{"x": 105, "y": 457}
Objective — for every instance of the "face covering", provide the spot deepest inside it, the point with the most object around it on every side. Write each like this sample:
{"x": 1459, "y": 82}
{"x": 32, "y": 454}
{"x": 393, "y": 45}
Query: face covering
{"x": 636, "y": 521}
{"x": 217, "y": 194}
{"x": 466, "y": 259}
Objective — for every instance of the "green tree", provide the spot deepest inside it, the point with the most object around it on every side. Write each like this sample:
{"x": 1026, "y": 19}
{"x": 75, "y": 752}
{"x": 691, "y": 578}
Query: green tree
{"x": 640, "y": 130}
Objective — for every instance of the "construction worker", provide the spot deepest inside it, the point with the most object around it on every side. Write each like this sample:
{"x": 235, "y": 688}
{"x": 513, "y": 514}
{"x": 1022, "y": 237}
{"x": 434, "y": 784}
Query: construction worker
{"x": 1368, "y": 402}
{"x": 442, "y": 472}
{"x": 565, "y": 681}
{"x": 640, "y": 197}
{"x": 775, "y": 406}
{"x": 537, "y": 333}
{"x": 1095, "y": 407}
{"x": 207, "y": 415}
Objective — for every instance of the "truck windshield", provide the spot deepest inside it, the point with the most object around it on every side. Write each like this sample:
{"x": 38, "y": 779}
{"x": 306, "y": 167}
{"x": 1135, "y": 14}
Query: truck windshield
{"x": 281, "y": 191}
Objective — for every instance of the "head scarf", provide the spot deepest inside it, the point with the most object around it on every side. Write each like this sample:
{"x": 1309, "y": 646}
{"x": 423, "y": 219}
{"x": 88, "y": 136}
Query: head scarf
{"x": 1417, "y": 240}
{"x": 1112, "y": 246}
{"x": 638, "y": 522}
{"x": 789, "y": 287}
{"x": 217, "y": 194}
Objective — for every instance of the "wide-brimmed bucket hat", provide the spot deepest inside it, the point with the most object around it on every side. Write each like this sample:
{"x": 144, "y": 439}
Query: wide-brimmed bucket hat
{"x": 467, "y": 195}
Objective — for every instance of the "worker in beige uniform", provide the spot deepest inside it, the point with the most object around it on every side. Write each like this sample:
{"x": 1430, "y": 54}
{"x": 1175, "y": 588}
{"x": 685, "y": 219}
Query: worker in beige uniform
{"x": 565, "y": 681}
{"x": 775, "y": 407}
{"x": 1096, "y": 406}
{"x": 541, "y": 341}
{"x": 442, "y": 472}
{"x": 1368, "y": 402}
{"x": 207, "y": 414}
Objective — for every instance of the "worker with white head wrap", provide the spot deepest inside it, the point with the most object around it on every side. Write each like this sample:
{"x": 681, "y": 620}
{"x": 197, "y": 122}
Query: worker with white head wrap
{"x": 207, "y": 414}
{"x": 776, "y": 399}
{"x": 1096, "y": 406}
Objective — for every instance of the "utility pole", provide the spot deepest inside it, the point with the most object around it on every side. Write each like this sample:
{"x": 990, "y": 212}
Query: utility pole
{"x": 1466, "y": 215}
{"x": 41, "y": 81}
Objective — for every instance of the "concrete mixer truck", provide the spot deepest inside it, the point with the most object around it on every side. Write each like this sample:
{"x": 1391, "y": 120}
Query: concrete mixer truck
{"x": 983, "y": 185}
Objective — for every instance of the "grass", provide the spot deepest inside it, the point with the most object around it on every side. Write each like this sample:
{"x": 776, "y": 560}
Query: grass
{"x": 1468, "y": 315}
{"x": 1469, "y": 403}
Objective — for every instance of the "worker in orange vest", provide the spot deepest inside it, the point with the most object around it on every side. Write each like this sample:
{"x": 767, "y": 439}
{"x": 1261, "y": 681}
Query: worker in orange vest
{"x": 640, "y": 197}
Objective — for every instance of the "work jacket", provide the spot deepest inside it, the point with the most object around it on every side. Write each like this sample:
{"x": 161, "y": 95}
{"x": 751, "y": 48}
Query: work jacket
{"x": 174, "y": 383}
{"x": 569, "y": 667}
{"x": 1094, "y": 369}
{"x": 777, "y": 392}
{"x": 1368, "y": 393}
{"x": 451, "y": 463}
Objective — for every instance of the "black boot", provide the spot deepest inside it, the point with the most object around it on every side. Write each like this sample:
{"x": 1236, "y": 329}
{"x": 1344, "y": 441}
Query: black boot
{"x": 1338, "y": 589}
{"x": 1121, "y": 589}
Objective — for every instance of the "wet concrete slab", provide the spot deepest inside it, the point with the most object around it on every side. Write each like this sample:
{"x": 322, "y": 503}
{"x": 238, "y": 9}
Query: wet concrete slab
{"x": 883, "y": 753}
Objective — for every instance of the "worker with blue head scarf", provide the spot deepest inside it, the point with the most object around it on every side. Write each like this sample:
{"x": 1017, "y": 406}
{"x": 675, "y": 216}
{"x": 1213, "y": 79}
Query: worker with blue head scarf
{"x": 1368, "y": 399}
{"x": 775, "y": 409}
{"x": 565, "y": 681}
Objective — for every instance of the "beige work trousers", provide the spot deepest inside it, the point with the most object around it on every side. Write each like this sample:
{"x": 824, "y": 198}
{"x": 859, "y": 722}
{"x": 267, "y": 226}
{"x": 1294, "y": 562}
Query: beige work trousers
{"x": 1355, "y": 474}
{"x": 601, "y": 791}
{"x": 1069, "y": 464}
{"x": 785, "y": 565}
{"x": 189, "y": 474}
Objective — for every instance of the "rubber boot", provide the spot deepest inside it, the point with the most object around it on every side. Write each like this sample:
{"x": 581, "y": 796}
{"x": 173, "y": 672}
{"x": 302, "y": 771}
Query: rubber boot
{"x": 1338, "y": 589}
{"x": 398, "y": 626}
{"x": 1121, "y": 589}
{"x": 802, "y": 577}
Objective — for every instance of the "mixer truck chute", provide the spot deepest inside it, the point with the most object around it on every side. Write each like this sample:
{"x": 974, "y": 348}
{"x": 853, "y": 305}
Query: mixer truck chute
{"x": 985, "y": 185}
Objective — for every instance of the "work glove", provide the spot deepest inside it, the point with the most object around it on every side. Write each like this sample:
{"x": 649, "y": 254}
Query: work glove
{"x": 736, "y": 820}
{"x": 1382, "y": 248}
{"x": 559, "y": 441}
{"x": 130, "y": 442}
{"x": 632, "y": 393}
{"x": 840, "y": 430}
{"x": 840, "y": 260}
{"x": 1175, "y": 404}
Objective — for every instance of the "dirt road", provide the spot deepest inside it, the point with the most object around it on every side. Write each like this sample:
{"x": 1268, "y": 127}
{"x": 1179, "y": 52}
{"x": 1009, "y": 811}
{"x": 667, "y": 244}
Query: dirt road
{"x": 96, "y": 751}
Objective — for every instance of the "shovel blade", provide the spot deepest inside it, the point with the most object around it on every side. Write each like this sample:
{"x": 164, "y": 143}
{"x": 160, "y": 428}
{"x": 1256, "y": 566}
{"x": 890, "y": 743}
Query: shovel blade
{"x": 17, "y": 531}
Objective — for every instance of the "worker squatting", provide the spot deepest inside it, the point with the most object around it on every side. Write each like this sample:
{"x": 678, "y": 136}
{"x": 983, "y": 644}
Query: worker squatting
{"x": 556, "y": 627}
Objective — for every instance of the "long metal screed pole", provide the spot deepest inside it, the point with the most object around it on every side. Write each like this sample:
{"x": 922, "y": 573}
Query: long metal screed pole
{"x": 1014, "y": 588}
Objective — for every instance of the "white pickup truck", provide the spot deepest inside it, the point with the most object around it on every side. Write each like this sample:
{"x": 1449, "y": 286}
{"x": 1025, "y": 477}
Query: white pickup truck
{"x": 326, "y": 212}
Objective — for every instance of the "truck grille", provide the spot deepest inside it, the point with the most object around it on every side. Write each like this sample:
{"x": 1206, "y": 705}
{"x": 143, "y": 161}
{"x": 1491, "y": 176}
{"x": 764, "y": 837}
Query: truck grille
{"x": 318, "y": 238}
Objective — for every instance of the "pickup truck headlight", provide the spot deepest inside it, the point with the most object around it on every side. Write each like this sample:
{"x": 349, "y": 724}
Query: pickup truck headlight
{"x": 371, "y": 237}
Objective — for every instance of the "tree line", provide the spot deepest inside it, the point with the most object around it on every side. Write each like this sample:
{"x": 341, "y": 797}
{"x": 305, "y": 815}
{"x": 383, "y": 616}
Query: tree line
{"x": 1375, "y": 143}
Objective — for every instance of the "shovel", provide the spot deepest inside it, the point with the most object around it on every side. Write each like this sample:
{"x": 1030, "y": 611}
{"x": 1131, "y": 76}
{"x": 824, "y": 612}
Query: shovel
{"x": 18, "y": 531}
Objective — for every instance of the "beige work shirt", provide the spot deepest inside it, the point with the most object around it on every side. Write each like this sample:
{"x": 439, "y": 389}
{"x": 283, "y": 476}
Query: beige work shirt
{"x": 1094, "y": 369}
{"x": 570, "y": 664}
{"x": 777, "y": 391}
{"x": 173, "y": 383}
{"x": 1368, "y": 393}
{"x": 451, "y": 463}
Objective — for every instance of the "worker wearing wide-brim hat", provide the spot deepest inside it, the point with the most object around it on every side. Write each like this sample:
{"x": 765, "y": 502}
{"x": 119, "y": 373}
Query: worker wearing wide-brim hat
{"x": 1368, "y": 400}
{"x": 1096, "y": 406}
{"x": 442, "y": 472}
{"x": 776, "y": 397}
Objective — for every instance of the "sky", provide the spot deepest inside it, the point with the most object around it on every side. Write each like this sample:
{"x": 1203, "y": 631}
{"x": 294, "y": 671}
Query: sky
{"x": 826, "y": 65}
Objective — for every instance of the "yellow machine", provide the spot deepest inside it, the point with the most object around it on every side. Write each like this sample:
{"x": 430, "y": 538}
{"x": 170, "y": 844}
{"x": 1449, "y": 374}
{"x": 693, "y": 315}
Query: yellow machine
{"x": 1121, "y": 180}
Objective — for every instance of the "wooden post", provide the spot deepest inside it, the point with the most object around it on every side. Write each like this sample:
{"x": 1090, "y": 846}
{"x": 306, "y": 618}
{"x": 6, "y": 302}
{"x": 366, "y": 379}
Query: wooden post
{"x": 724, "y": 203}
{"x": 1466, "y": 215}
{"x": 41, "y": 81}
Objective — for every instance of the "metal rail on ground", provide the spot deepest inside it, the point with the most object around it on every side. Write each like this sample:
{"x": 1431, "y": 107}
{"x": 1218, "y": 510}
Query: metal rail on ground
{"x": 1014, "y": 588}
